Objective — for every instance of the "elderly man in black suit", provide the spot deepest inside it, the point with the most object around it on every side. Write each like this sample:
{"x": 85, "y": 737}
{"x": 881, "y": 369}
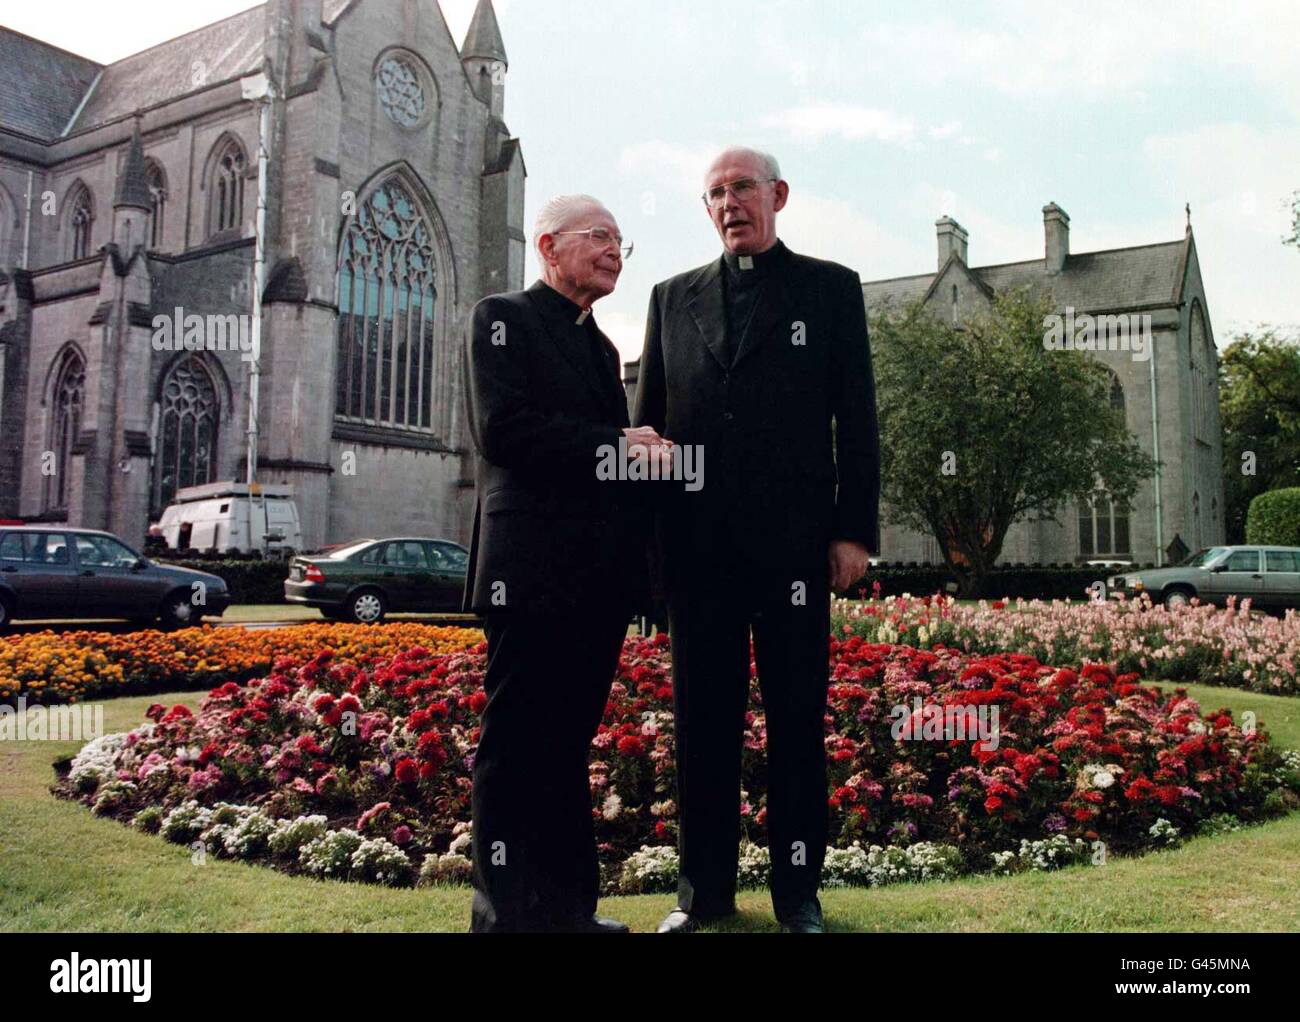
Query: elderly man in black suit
{"x": 760, "y": 356}
{"x": 557, "y": 567}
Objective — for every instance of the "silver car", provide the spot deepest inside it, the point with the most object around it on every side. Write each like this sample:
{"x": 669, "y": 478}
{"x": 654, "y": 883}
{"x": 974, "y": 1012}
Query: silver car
{"x": 1268, "y": 575}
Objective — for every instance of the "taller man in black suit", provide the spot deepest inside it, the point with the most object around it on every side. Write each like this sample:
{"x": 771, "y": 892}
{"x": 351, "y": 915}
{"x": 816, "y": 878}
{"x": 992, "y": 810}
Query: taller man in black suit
{"x": 761, "y": 357}
{"x": 556, "y": 568}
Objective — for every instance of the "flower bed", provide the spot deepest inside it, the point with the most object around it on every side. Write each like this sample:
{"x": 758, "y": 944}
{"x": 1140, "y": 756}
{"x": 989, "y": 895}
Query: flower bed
{"x": 49, "y": 667}
{"x": 1199, "y": 643}
{"x": 363, "y": 772}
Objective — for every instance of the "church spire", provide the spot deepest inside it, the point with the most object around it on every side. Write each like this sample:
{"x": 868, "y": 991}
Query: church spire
{"x": 133, "y": 180}
{"x": 483, "y": 40}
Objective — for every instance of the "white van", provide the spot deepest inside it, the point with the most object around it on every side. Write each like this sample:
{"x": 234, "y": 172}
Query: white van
{"x": 233, "y": 518}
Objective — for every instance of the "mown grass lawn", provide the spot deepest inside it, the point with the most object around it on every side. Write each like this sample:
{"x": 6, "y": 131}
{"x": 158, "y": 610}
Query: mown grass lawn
{"x": 63, "y": 869}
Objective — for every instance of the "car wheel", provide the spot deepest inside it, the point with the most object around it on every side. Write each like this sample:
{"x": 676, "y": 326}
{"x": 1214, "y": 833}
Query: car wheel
{"x": 367, "y": 607}
{"x": 1176, "y": 599}
{"x": 6, "y": 615}
{"x": 179, "y": 612}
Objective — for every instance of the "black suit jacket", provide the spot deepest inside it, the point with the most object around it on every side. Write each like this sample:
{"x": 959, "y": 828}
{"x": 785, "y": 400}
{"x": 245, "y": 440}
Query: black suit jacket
{"x": 779, "y": 482}
{"x": 548, "y": 534}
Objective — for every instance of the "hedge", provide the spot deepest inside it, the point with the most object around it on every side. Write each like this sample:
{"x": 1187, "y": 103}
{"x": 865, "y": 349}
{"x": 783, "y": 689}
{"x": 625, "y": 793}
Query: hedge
{"x": 1030, "y": 582}
{"x": 1274, "y": 517}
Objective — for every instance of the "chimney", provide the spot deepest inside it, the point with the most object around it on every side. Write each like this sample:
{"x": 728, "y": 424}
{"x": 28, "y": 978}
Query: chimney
{"x": 952, "y": 239}
{"x": 1056, "y": 235}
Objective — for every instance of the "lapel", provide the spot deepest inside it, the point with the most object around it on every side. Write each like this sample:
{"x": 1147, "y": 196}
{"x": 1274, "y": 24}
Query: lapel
{"x": 704, "y": 301}
{"x": 615, "y": 395}
{"x": 771, "y": 315}
{"x": 578, "y": 360}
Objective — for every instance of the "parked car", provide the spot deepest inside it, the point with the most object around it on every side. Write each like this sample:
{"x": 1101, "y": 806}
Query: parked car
{"x": 57, "y": 572}
{"x": 1269, "y": 575}
{"x": 366, "y": 579}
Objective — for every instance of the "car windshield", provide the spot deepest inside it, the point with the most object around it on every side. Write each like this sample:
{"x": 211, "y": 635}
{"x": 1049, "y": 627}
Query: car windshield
{"x": 1200, "y": 560}
{"x": 347, "y": 550}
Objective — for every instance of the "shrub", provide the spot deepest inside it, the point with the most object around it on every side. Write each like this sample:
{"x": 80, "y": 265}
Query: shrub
{"x": 1274, "y": 518}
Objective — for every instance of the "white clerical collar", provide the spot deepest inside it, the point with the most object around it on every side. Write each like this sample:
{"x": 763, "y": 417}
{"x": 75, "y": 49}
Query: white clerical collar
{"x": 745, "y": 262}
{"x": 582, "y": 316}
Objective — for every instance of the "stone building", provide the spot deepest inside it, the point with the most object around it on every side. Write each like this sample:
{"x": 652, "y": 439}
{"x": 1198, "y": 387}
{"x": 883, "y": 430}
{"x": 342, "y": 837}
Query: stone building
{"x": 128, "y": 208}
{"x": 1170, "y": 399}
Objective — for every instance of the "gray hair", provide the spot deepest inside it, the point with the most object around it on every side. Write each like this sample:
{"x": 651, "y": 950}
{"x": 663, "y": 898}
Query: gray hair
{"x": 768, "y": 162}
{"x": 559, "y": 212}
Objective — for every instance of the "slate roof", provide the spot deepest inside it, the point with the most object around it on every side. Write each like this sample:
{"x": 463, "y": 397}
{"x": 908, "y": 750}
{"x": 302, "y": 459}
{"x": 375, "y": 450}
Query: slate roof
{"x": 1116, "y": 278}
{"x": 226, "y": 49}
{"x": 29, "y": 66}
{"x": 230, "y": 48}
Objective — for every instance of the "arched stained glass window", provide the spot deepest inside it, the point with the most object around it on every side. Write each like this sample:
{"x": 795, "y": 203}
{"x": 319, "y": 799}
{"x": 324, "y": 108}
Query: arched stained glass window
{"x": 187, "y": 430}
{"x": 158, "y": 199}
{"x": 228, "y": 173}
{"x": 387, "y": 293}
{"x": 65, "y": 424}
{"x": 80, "y": 221}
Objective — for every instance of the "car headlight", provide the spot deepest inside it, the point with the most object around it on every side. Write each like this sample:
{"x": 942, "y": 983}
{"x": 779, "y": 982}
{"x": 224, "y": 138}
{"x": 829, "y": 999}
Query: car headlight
{"x": 1132, "y": 582}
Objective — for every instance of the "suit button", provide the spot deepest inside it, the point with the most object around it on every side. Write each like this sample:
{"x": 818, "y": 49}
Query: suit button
{"x": 728, "y": 416}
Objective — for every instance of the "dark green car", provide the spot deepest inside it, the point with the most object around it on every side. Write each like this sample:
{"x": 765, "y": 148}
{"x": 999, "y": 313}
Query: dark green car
{"x": 366, "y": 579}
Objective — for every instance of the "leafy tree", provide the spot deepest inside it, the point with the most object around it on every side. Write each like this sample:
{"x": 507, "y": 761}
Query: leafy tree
{"x": 1294, "y": 237}
{"x": 983, "y": 426}
{"x": 1259, "y": 406}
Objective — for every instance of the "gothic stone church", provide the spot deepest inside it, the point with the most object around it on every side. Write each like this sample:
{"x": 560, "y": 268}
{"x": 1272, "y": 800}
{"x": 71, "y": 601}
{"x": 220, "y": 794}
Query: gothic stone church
{"x": 1170, "y": 400}
{"x": 394, "y": 201}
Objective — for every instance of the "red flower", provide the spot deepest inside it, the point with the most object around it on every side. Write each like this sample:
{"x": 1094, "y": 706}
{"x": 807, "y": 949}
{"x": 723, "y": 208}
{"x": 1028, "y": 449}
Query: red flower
{"x": 407, "y": 771}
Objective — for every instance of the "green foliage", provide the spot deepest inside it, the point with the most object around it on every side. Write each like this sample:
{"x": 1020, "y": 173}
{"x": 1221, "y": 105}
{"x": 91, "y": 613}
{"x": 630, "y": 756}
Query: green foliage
{"x": 1259, "y": 405}
{"x": 249, "y": 581}
{"x": 1274, "y": 517}
{"x": 983, "y": 426}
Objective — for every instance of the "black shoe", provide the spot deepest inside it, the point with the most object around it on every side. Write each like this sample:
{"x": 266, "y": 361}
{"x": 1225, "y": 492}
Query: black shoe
{"x": 596, "y": 924}
{"x": 807, "y": 918}
{"x": 679, "y": 921}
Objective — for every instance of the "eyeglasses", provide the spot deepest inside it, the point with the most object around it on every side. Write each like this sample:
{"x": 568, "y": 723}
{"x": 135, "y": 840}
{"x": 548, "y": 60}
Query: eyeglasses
{"x": 604, "y": 236}
{"x": 743, "y": 189}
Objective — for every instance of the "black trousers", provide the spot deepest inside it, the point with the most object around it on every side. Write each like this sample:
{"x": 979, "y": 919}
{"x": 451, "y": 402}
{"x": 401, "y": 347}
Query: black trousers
{"x": 710, "y": 629}
{"x": 533, "y": 843}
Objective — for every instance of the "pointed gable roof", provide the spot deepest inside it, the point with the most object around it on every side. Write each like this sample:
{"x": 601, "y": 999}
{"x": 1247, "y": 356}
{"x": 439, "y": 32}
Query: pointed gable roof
{"x": 483, "y": 39}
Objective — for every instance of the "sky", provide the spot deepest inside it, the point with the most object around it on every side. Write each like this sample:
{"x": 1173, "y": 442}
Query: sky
{"x": 885, "y": 116}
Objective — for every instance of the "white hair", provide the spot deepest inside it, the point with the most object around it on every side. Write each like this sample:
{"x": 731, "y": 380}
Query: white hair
{"x": 768, "y": 162}
{"x": 560, "y": 211}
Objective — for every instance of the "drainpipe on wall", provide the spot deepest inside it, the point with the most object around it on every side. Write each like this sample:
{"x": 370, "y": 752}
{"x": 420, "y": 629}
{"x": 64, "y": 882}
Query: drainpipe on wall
{"x": 27, "y": 225}
{"x": 1155, "y": 450}
{"x": 258, "y": 88}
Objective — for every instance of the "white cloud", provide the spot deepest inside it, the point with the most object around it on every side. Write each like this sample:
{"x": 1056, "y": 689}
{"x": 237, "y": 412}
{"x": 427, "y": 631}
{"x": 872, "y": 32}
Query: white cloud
{"x": 836, "y": 229}
{"x": 851, "y": 123}
{"x": 1237, "y": 179}
{"x": 677, "y": 166}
